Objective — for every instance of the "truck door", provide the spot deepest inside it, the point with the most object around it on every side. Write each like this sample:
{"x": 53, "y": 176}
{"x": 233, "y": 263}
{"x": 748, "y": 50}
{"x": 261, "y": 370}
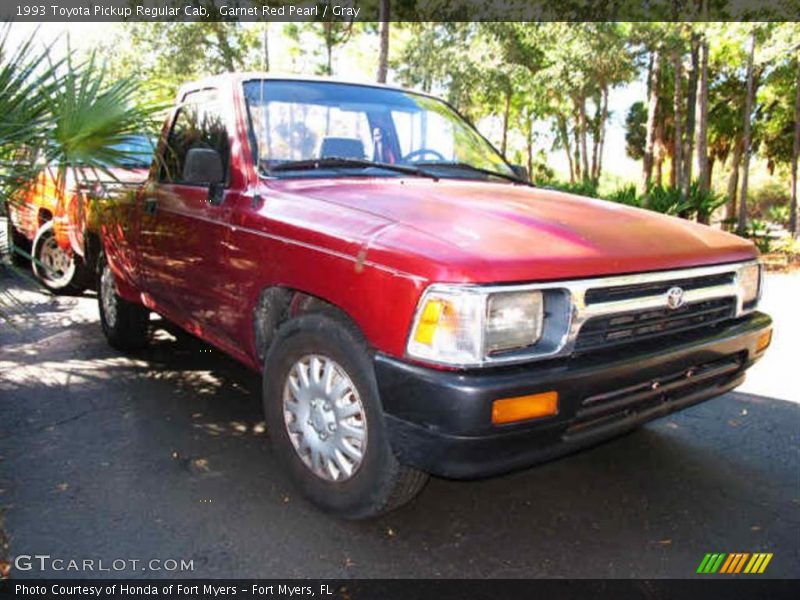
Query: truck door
{"x": 184, "y": 226}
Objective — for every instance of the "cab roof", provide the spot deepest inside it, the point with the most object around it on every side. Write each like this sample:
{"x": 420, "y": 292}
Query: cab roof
{"x": 233, "y": 79}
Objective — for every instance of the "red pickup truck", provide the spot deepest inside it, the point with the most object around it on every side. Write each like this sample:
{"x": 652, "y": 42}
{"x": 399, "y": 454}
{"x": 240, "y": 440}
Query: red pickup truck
{"x": 415, "y": 305}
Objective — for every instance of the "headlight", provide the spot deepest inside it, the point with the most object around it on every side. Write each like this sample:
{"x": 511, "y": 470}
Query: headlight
{"x": 513, "y": 320}
{"x": 749, "y": 280}
{"x": 463, "y": 326}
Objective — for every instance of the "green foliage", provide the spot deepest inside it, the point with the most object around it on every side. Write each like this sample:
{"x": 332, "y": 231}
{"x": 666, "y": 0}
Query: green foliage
{"x": 666, "y": 200}
{"x": 701, "y": 204}
{"x": 762, "y": 199}
{"x": 635, "y": 130}
{"x": 162, "y": 56}
{"x": 779, "y": 214}
{"x": 663, "y": 199}
{"x": 27, "y": 78}
{"x": 626, "y": 194}
{"x": 91, "y": 114}
{"x": 695, "y": 204}
{"x": 789, "y": 247}
{"x": 330, "y": 33}
{"x": 585, "y": 187}
{"x": 758, "y": 232}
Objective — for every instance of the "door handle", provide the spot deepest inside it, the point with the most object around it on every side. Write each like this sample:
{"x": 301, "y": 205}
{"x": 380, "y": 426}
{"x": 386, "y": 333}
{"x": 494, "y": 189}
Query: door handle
{"x": 150, "y": 205}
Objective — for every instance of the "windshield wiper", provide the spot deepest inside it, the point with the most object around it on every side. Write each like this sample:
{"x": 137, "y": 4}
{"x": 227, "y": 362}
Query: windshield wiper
{"x": 336, "y": 161}
{"x": 469, "y": 167}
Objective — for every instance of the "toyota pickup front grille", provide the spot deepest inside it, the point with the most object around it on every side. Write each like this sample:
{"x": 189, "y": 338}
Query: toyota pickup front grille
{"x": 655, "y": 288}
{"x": 612, "y": 330}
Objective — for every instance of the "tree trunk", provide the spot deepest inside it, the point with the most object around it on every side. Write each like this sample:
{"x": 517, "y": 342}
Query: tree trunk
{"x": 710, "y": 170}
{"x": 660, "y": 153}
{"x": 529, "y": 145}
{"x": 703, "y": 163}
{"x": 383, "y": 53}
{"x": 793, "y": 224}
{"x": 266, "y": 47}
{"x": 677, "y": 139}
{"x": 733, "y": 180}
{"x": 604, "y": 119}
{"x": 748, "y": 112}
{"x": 654, "y": 81}
{"x": 691, "y": 99}
{"x": 328, "y": 28}
{"x": 577, "y": 135}
{"x": 506, "y": 116}
{"x": 584, "y": 140}
{"x": 564, "y": 133}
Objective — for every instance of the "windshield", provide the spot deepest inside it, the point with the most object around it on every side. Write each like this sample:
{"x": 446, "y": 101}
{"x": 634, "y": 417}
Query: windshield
{"x": 294, "y": 121}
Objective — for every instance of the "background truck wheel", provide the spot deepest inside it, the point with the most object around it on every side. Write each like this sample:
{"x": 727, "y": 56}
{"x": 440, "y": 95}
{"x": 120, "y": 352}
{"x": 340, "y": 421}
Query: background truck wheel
{"x": 124, "y": 323}
{"x": 20, "y": 241}
{"x": 325, "y": 421}
{"x": 59, "y": 271}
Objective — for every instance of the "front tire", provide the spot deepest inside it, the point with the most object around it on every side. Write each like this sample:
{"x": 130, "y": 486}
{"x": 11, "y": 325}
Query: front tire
{"x": 125, "y": 324}
{"x": 59, "y": 271}
{"x": 325, "y": 420}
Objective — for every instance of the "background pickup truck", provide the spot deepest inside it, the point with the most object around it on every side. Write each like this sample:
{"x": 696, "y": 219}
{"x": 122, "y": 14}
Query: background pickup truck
{"x": 414, "y": 305}
{"x": 53, "y": 220}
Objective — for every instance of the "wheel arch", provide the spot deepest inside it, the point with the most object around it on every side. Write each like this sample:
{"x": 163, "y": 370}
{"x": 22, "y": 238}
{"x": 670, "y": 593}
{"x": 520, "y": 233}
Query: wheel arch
{"x": 44, "y": 215}
{"x": 277, "y": 304}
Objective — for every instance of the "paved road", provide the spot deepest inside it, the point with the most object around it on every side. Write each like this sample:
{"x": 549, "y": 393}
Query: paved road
{"x": 165, "y": 456}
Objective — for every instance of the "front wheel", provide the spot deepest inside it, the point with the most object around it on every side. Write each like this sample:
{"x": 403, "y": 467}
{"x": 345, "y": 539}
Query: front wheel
{"x": 325, "y": 421}
{"x": 124, "y": 323}
{"x": 58, "y": 270}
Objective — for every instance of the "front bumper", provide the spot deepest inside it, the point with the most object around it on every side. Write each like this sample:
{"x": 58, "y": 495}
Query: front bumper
{"x": 440, "y": 421}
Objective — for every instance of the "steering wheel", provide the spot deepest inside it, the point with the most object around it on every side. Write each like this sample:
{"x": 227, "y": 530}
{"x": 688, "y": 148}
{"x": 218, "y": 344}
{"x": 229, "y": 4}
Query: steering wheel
{"x": 421, "y": 152}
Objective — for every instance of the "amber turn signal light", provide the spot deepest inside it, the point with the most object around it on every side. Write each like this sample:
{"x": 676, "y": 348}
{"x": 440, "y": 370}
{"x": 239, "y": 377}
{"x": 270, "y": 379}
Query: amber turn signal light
{"x": 764, "y": 341}
{"x": 522, "y": 408}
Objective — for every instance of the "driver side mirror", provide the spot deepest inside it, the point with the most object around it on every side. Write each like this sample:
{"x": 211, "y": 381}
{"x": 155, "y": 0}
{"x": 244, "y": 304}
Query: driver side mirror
{"x": 521, "y": 172}
{"x": 203, "y": 166}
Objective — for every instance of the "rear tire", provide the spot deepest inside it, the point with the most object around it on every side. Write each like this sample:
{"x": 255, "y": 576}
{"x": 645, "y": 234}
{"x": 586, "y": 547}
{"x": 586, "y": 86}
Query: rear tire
{"x": 307, "y": 371}
{"x": 58, "y": 271}
{"x": 125, "y": 324}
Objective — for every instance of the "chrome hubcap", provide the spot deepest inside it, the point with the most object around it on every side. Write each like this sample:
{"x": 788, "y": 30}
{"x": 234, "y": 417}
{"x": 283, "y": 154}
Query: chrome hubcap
{"x": 325, "y": 418}
{"x": 56, "y": 264}
{"x": 108, "y": 297}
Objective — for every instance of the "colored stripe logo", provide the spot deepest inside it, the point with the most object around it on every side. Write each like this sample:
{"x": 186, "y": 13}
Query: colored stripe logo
{"x": 731, "y": 564}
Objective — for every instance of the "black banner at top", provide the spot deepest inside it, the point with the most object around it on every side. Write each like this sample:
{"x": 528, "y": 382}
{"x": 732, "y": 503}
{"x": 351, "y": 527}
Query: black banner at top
{"x": 399, "y": 10}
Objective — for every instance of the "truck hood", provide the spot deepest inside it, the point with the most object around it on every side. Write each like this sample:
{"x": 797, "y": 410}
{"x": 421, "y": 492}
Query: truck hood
{"x": 504, "y": 232}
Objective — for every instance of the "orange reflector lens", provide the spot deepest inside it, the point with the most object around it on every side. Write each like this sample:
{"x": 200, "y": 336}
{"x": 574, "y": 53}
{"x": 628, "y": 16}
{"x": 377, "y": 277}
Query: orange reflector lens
{"x": 522, "y": 408}
{"x": 429, "y": 321}
{"x": 764, "y": 341}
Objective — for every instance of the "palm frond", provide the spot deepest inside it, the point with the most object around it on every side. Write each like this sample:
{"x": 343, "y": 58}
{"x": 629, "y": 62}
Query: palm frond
{"x": 93, "y": 117}
{"x": 26, "y": 81}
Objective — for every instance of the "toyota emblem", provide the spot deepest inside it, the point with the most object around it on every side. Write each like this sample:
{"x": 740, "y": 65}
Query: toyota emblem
{"x": 674, "y": 298}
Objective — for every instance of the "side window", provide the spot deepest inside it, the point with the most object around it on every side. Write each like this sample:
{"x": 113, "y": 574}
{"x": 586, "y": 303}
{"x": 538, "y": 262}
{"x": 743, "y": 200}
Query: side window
{"x": 195, "y": 126}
